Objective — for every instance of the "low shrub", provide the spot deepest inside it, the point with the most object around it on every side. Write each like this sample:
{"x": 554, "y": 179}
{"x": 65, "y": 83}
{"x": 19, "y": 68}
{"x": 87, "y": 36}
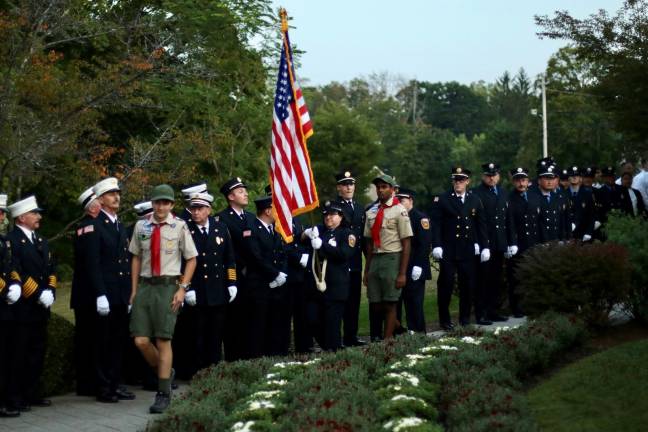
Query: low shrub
{"x": 58, "y": 371}
{"x": 584, "y": 280}
{"x": 632, "y": 233}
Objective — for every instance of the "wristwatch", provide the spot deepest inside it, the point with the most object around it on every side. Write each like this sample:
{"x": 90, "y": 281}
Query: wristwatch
{"x": 185, "y": 286}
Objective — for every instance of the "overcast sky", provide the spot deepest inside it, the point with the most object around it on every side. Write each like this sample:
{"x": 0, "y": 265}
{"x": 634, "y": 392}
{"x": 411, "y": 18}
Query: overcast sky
{"x": 433, "y": 40}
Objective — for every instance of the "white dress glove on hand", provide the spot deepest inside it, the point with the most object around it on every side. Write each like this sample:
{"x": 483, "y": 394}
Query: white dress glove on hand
{"x": 273, "y": 284}
{"x": 103, "y": 307}
{"x": 46, "y": 298}
{"x": 312, "y": 233}
{"x": 514, "y": 250}
{"x": 232, "y": 292}
{"x": 281, "y": 279}
{"x": 130, "y": 308}
{"x": 332, "y": 242}
{"x": 13, "y": 294}
{"x": 316, "y": 243}
{"x": 190, "y": 297}
{"x": 597, "y": 225}
{"x": 476, "y": 249}
{"x": 587, "y": 237}
{"x": 437, "y": 253}
{"x": 485, "y": 255}
{"x": 573, "y": 226}
{"x": 416, "y": 273}
{"x": 303, "y": 261}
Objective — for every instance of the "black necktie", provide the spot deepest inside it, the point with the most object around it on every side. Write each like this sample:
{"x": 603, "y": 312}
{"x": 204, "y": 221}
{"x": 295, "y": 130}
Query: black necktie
{"x": 204, "y": 230}
{"x": 494, "y": 190}
{"x": 524, "y": 195}
{"x": 33, "y": 237}
{"x": 270, "y": 230}
{"x": 350, "y": 204}
{"x": 548, "y": 198}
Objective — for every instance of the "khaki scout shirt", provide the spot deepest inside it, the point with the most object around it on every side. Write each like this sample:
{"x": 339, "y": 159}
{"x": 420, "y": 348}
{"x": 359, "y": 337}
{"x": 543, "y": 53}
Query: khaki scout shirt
{"x": 175, "y": 243}
{"x": 395, "y": 227}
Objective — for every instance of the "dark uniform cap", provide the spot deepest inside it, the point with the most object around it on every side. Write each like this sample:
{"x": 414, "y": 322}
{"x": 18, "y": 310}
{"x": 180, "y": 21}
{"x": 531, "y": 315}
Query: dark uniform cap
{"x": 548, "y": 171}
{"x": 490, "y": 168}
{"x": 459, "y": 172}
{"x": 232, "y": 184}
{"x": 564, "y": 174}
{"x": 545, "y": 162}
{"x": 608, "y": 171}
{"x": 268, "y": 190}
{"x": 345, "y": 176}
{"x": 574, "y": 171}
{"x": 385, "y": 179}
{"x": 519, "y": 172}
{"x": 589, "y": 172}
{"x": 263, "y": 203}
{"x": 162, "y": 192}
{"x": 404, "y": 192}
{"x": 333, "y": 206}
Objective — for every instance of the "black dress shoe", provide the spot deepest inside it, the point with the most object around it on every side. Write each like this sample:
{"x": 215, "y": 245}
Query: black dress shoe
{"x": 484, "y": 321}
{"x": 105, "y": 397}
{"x": 43, "y": 403}
{"x": 518, "y": 315}
{"x": 464, "y": 322}
{"x": 355, "y": 343}
{"x": 123, "y": 394}
{"x": 22, "y": 407}
{"x": 8, "y": 412}
{"x": 497, "y": 318}
{"x": 376, "y": 339}
{"x": 447, "y": 326}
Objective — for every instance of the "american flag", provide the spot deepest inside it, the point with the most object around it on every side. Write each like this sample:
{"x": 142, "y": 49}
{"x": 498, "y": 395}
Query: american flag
{"x": 291, "y": 177}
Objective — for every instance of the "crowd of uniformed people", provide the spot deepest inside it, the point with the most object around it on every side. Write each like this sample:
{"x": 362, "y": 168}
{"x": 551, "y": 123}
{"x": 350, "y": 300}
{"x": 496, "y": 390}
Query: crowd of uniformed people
{"x": 174, "y": 294}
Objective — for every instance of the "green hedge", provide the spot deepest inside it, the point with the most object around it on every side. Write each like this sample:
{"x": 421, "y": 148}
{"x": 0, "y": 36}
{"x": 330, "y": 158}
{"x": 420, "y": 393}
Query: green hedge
{"x": 58, "y": 373}
{"x": 468, "y": 381}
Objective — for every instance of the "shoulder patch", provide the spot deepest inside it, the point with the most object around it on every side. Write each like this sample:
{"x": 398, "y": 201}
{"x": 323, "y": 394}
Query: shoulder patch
{"x": 88, "y": 228}
{"x": 425, "y": 223}
{"x": 352, "y": 240}
{"x": 404, "y": 213}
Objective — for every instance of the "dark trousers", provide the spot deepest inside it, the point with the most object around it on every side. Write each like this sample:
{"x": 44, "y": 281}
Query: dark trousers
{"x": 352, "y": 307}
{"x": 325, "y": 318}
{"x": 10, "y": 364}
{"x": 302, "y": 333}
{"x": 267, "y": 327}
{"x": 112, "y": 330}
{"x": 84, "y": 357}
{"x": 514, "y": 293}
{"x": 184, "y": 344}
{"x": 236, "y": 325}
{"x": 413, "y": 298}
{"x": 209, "y": 333}
{"x": 464, "y": 269}
{"x": 31, "y": 341}
{"x": 488, "y": 287}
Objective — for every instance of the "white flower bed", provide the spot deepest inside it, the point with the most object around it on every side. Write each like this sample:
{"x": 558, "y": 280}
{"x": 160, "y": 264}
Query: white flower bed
{"x": 404, "y": 423}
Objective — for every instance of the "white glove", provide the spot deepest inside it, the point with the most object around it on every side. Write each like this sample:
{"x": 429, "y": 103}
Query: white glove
{"x": 513, "y": 250}
{"x": 273, "y": 284}
{"x": 416, "y": 273}
{"x": 303, "y": 261}
{"x": 13, "y": 294}
{"x": 103, "y": 308}
{"x": 597, "y": 225}
{"x": 312, "y": 233}
{"x": 485, "y": 255}
{"x": 232, "y": 292}
{"x": 130, "y": 308}
{"x": 190, "y": 297}
{"x": 332, "y": 242}
{"x": 437, "y": 253}
{"x": 46, "y": 298}
{"x": 476, "y": 249}
{"x": 573, "y": 226}
{"x": 316, "y": 243}
{"x": 587, "y": 237}
{"x": 507, "y": 254}
{"x": 281, "y": 279}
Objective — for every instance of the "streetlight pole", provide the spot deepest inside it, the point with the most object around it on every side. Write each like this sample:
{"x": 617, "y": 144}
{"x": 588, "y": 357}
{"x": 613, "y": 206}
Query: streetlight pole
{"x": 545, "y": 150}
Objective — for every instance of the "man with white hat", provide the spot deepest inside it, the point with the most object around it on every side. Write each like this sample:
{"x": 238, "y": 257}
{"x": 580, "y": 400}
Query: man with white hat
{"x": 187, "y": 192}
{"x": 82, "y": 299}
{"x": 108, "y": 265}
{"x": 35, "y": 265}
{"x": 9, "y": 295}
{"x": 4, "y": 220}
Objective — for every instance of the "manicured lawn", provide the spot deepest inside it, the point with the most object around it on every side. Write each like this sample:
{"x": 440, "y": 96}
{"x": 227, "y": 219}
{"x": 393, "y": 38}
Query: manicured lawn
{"x": 607, "y": 391}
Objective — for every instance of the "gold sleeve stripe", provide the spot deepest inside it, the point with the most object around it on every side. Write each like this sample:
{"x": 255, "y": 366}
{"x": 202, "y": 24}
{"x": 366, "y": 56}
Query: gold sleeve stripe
{"x": 3, "y": 284}
{"x": 52, "y": 281}
{"x": 29, "y": 287}
{"x": 231, "y": 274}
{"x": 15, "y": 276}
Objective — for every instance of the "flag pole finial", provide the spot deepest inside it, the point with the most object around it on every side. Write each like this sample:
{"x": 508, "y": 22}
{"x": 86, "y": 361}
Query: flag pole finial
{"x": 284, "y": 19}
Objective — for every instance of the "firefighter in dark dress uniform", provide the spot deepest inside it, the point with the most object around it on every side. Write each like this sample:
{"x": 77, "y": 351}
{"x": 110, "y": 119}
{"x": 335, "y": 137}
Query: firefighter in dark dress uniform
{"x": 334, "y": 244}
{"x": 553, "y": 207}
{"x": 581, "y": 208}
{"x": 459, "y": 233}
{"x": 418, "y": 271}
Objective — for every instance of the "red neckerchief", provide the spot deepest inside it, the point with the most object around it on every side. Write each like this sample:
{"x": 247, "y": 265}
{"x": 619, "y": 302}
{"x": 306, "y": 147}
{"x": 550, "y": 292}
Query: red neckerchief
{"x": 155, "y": 249}
{"x": 375, "y": 229}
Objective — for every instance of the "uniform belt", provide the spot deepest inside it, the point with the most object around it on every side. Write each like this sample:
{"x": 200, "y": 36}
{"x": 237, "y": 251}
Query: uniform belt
{"x": 160, "y": 280}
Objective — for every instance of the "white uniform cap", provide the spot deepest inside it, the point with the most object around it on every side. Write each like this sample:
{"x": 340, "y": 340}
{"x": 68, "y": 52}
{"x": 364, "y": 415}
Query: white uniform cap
{"x": 200, "y": 199}
{"x": 3, "y": 202}
{"x": 26, "y": 205}
{"x": 193, "y": 189}
{"x": 143, "y": 208}
{"x": 86, "y": 198}
{"x": 110, "y": 184}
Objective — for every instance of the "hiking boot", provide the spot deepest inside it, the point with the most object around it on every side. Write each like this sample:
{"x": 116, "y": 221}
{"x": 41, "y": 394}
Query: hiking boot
{"x": 162, "y": 401}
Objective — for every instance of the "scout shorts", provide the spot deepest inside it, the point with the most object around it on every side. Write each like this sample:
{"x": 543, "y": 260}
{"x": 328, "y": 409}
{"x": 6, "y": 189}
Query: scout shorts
{"x": 382, "y": 278}
{"x": 152, "y": 315}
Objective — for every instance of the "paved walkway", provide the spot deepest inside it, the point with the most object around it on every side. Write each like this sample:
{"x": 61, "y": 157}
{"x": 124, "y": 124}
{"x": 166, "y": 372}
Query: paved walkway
{"x": 71, "y": 413}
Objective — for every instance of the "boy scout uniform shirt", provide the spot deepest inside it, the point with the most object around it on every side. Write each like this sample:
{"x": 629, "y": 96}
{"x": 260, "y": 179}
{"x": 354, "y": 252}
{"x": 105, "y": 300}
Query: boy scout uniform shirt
{"x": 395, "y": 227}
{"x": 175, "y": 243}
